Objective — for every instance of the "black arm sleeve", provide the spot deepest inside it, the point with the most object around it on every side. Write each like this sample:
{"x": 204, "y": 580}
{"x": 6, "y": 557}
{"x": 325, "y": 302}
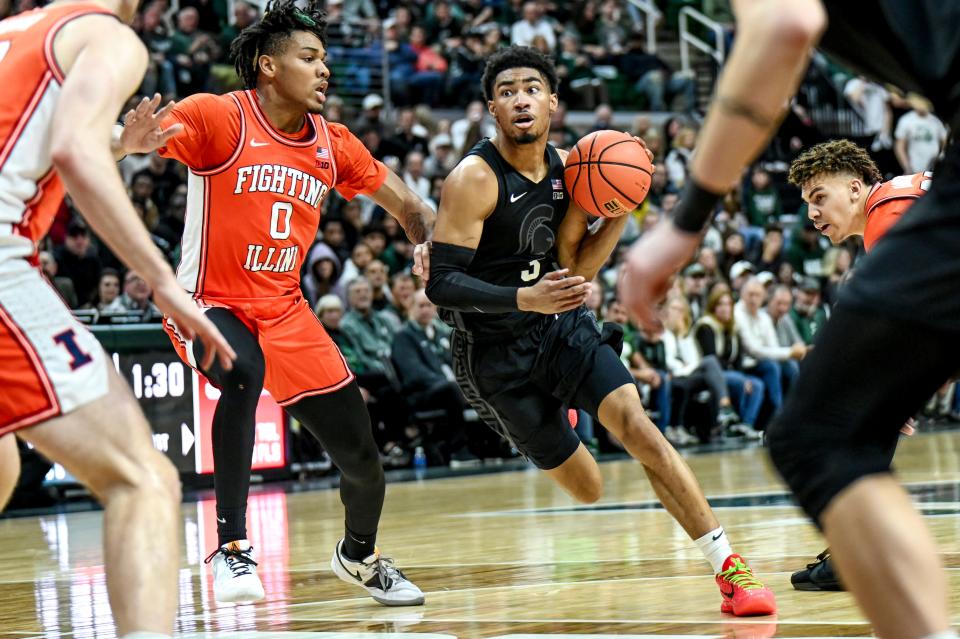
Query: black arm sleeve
{"x": 695, "y": 207}
{"x": 450, "y": 287}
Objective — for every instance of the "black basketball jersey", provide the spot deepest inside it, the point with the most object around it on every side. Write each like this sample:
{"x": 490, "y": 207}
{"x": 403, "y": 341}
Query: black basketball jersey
{"x": 912, "y": 44}
{"x": 517, "y": 244}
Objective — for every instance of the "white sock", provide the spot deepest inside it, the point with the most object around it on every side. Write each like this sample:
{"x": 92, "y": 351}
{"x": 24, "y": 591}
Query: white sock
{"x": 946, "y": 634}
{"x": 716, "y": 548}
{"x": 145, "y": 635}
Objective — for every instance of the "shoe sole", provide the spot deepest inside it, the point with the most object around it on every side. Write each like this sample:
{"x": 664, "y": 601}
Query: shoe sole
{"x": 809, "y": 586}
{"x": 240, "y": 599}
{"x": 338, "y": 571}
{"x": 399, "y": 604}
{"x": 750, "y": 609}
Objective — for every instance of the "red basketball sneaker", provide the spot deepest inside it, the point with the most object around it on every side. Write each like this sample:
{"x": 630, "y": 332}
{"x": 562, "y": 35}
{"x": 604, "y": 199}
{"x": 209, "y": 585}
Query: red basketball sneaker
{"x": 743, "y": 594}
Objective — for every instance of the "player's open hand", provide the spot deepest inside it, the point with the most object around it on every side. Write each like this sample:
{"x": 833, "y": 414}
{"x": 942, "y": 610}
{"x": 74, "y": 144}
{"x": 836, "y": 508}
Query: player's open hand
{"x": 652, "y": 261}
{"x": 554, "y": 293}
{"x": 192, "y": 324}
{"x": 142, "y": 130}
{"x": 421, "y": 260}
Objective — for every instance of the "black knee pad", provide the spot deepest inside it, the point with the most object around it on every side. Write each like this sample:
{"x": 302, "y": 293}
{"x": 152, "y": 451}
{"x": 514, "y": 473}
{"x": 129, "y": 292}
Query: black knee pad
{"x": 248, "y": 369}
{"x": 246, "y": 375}
{"x": 816, "y": 464}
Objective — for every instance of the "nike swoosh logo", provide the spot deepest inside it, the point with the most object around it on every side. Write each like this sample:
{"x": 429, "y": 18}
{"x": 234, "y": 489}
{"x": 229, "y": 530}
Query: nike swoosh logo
{"x": 255, "y": 143}
{"x": 717, "y": 537}
{"x": 355, "y": 575}
{"x": 728, "y": 595}
{"x": 222, "y": 521}
{"x": 514, "y": 198}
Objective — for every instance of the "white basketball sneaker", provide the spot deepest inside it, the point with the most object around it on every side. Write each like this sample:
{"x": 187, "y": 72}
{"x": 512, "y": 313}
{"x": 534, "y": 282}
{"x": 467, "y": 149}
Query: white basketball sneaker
{"x": 378, "y": 576}
{"x": 235, "y": 577}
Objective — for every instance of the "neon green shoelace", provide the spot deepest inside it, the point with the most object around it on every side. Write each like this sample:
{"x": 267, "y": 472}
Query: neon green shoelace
{"x": 739, "y": 574}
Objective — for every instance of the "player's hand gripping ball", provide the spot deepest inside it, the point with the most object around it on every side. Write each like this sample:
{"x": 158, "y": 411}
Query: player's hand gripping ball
{"x": 608, "y": 173}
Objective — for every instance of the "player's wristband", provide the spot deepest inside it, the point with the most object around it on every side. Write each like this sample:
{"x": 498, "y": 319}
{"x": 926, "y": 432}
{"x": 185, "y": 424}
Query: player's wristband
{"x": 115, "y": 134}
{"x": 452, "y": 288}
{"x": 695, "y": 207}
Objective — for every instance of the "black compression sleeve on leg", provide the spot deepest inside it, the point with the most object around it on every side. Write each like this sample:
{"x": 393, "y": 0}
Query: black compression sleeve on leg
{"x": 450, "y": 287}
{"x": 342, "y": 424}
{"x": 234, "y": 422}
{"x": 695, "y": 207}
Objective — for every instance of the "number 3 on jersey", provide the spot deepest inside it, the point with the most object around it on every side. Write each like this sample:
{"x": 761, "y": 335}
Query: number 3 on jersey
{"x": 277, "y": 231}
{"x": 531, "y": 273}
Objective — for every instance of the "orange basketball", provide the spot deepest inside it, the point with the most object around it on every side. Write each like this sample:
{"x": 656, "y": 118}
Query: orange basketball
{"x": 608, "y": 173}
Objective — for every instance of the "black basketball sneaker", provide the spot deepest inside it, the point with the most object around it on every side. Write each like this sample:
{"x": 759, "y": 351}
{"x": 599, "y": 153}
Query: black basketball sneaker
{"x": 817, "y": 576}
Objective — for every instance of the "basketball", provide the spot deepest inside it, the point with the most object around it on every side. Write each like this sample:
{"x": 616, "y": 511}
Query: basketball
{"x": 608, "y": 173}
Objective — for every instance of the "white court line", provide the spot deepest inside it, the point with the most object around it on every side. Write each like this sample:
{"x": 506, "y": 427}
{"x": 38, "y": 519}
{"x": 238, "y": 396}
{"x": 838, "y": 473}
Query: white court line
{"x": 607, "y": 511}
{"x": 597, "y": 636}
{"x": 611, "y": 510}
{"x": 264, "y": 634}
{"x": 604, "y": 636}
{"x": 589, "y": 509}
{"x": 477, "y": 620}
{"x": 549, "y": 584}
{"x": 539, "y": 563}
{"x": 323, "y": 569}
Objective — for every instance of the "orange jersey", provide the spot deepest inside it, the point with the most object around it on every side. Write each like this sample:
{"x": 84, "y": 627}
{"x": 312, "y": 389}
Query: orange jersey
{"x": 887, "y": 201}
{"x": 254, "y": 193}
{"x": 30, "y": 81}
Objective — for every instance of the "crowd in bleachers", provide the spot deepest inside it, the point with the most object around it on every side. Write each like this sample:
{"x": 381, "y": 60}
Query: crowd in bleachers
{"x": 738, "y": 321}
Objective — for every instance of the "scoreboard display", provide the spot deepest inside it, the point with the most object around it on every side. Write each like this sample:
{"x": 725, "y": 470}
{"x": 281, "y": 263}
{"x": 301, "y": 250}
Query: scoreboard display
{"x": 179, "y": 405}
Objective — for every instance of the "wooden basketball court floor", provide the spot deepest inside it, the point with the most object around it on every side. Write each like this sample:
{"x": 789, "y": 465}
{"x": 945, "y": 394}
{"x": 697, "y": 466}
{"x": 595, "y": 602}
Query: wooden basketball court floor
{"x": 498, "y": 555}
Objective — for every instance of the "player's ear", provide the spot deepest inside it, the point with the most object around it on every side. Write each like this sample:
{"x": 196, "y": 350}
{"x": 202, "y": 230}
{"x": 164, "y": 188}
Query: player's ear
{"x": 856, "y": 187}
{"x": 491, "y": 108}
{"x": 554, "y": 102}
{"x": 267, "y": 66}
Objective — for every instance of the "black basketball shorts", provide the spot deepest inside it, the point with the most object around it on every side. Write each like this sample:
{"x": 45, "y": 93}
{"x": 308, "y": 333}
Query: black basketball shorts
{"x": 522, "y": 385}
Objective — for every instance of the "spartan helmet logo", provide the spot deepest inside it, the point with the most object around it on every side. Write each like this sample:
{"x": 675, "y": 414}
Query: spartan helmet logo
{"x": 536, "y": 236}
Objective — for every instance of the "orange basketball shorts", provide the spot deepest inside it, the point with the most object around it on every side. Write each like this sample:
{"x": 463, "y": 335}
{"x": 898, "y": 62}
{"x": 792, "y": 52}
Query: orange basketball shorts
{"x": 51, "y": 363}
{"x": 301, "y": 358}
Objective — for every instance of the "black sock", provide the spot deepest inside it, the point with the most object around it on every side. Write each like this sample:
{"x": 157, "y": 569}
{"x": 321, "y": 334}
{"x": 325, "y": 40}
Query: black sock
{"x": 357, "y": 547}
{"x": 231, "y": 524}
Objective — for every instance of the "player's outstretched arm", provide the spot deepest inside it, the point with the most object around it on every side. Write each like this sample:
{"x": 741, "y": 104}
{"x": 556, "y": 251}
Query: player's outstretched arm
{"x": 142, "y": 130}
{"x": 774, "y": 40}
{"x": 469, "y": 196}
{"x": 104, "y": 63}
{"x": 415, "y": 216}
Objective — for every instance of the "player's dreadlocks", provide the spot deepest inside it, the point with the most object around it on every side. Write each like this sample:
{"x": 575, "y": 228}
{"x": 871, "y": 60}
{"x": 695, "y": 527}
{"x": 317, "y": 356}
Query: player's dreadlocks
{"x": 835, "y": 156}
{"x": 515, "y": 57}
{"x": 269, "y": 35}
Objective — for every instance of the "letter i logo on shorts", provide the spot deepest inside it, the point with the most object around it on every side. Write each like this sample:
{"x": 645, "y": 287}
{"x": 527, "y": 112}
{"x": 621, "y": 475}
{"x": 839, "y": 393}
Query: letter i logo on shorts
{"x": 68, "y": 339}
